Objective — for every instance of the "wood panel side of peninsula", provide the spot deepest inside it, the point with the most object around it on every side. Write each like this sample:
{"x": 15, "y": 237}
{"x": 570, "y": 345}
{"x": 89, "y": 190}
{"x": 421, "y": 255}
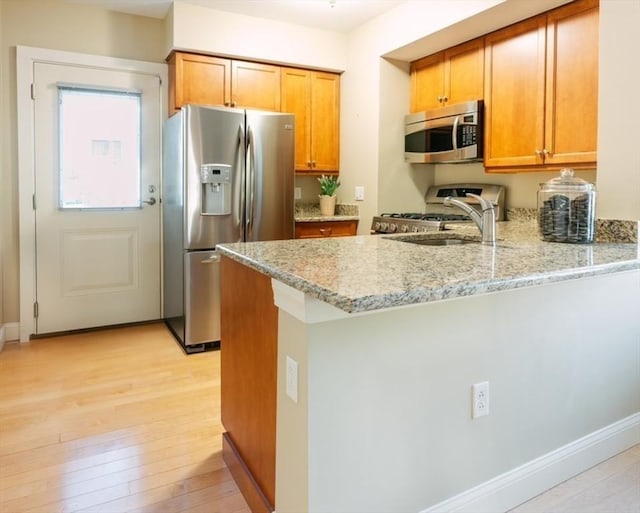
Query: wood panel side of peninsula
{"x": 248, "y": 357}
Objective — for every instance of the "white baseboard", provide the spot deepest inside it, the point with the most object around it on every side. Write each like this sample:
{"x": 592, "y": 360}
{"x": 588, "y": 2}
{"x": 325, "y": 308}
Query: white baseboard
{"x": 506, "y": 491}
{"x": 8, "y": 332}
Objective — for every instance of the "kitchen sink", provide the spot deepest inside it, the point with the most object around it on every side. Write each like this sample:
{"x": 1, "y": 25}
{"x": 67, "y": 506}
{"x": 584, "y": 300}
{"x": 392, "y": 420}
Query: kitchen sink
{"x": 435, "y": 241}
{"x": 440, "y": 242}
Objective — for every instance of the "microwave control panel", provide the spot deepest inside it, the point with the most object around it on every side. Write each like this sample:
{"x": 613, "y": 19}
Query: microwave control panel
{"x": 468, "y": 135}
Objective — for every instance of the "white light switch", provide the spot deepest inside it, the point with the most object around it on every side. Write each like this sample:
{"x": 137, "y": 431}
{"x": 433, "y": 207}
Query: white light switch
{"x": 292, "y": 379}
{"x": 297, "y": 193}
{"x": 359, "y": 195}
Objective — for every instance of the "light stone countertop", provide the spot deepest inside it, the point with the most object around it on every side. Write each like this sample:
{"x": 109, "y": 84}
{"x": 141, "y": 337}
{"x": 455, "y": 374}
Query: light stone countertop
{"x": 370, "y": 272}
{"x": 310, "y": 212}
{"x": 323, "y": 219}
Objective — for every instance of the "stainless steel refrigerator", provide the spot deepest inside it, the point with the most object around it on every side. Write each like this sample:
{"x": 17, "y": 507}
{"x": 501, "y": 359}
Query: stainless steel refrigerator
{"x": 228, "y": 176}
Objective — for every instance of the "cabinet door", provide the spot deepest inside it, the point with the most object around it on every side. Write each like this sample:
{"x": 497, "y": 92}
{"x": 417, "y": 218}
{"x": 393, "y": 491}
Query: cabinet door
{"x": 427, "y": 82}
{"x": 319, "y": 229}
{"x": 571, "y": 122}
{"x": 464, "y": 72}
{"x": 198, "y": 79}
{"x": 255, "y": 86}
{"x": 514, "y": 94}
{"x": 325, "y": 122}
{"x": 296, "y": 99}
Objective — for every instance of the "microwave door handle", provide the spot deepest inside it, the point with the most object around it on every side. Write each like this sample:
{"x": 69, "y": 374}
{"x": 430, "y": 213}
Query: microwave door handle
{"x": 427, "y": 125}
{"x": 454, "y": 133}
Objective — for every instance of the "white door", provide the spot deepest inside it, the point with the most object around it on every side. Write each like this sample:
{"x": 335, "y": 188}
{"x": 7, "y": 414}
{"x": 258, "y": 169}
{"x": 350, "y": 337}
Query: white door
{"x": 97, "y": 171}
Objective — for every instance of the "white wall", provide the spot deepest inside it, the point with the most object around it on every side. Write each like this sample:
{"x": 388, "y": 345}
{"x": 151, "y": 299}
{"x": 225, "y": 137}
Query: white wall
{"x": 60, "y": 26}
{"x": 384, "y": 399}
{"x": 2, "y": 186}
{"x": 375, "y": 93}
{"x": 618, "y": 181}
{"x": 229, "y": 34}
{"x": 521, "y": 188}
{"x": 618, "y": 172}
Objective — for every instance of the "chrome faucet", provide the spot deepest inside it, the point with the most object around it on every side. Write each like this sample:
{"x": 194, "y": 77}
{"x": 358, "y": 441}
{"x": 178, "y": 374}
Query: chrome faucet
{"x": 485, "y": 221}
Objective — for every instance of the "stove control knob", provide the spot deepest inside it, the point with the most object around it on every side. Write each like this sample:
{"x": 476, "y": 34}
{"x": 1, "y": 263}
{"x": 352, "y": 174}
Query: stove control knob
{"x": 404, "y": 228}
{"x": 415, "y": 229}
{"x": 392, "y": 227}
{"x": 384, "y": 226}
{"x": 376, "y": 226}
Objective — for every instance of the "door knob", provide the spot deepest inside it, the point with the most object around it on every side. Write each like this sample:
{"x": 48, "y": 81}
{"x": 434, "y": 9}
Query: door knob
{"x": 150, "y": 201}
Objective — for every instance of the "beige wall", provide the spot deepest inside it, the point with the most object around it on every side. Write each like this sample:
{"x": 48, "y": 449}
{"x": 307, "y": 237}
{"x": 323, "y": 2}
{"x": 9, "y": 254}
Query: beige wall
{"x": 54, "y": 25}
{"x": 374, "y": 95}
{"x": 2, "y": 179}
{"x": 403, "y": 378}
{"x": 618, "y": 181}
{"x": 238, "y": 35}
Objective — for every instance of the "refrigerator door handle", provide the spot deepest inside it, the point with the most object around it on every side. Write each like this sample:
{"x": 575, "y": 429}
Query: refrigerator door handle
{"x": 241, "y": 204}
{"x": 251, "y": 177}
{"x": 212, "y": 259}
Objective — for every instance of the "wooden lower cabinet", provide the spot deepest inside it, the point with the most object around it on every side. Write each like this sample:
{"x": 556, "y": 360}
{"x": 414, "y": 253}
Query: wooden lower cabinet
{"x": 317, "y": 229}
{"x": 248, "y": 366}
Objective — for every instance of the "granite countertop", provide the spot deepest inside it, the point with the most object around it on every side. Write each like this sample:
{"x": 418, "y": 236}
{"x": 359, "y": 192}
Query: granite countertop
{"x": 310, "y": 212}
{"x": 369, "y": 272}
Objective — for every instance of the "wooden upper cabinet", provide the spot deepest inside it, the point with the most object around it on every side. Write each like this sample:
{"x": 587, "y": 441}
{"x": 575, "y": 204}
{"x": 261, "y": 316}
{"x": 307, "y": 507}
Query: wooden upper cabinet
{"x": 198, "y": 79}
{"x": 255, "y": 86}
{"x": 296, "y": 94}
{"x": 571, "y": 113}
{"x": 207, "y": 80}
{"x": 541, "y": 91}
{"x": 314, "y": 98}
{"x": 325, "y": 122}
{"x": 453, "y": 76}
{"x": 514, "y": 94}
{"x": 427, "y": 82}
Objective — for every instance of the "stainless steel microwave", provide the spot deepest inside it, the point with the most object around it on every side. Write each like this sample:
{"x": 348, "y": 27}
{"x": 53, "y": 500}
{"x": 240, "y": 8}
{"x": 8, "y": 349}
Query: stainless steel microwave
{"x": 452, "y": 134}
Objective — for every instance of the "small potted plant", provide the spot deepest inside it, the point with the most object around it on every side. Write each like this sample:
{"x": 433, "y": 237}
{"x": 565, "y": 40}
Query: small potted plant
{"x": 328, "y": 187}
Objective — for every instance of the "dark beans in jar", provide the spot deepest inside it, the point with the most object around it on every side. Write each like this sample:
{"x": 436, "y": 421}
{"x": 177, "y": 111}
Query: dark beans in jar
{"x": 564, "y": 220}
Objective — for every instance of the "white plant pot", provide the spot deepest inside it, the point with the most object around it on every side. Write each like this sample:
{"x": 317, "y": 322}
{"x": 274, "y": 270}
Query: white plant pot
{"x": 327, "y": 205}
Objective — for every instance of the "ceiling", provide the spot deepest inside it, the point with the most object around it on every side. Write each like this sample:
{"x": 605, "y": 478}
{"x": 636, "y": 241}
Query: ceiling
{"x": 335, "y": 15}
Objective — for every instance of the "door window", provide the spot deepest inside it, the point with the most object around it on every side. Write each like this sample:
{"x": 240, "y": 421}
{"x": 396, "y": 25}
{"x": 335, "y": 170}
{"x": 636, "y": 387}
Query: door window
{"x": 99, "y": 148}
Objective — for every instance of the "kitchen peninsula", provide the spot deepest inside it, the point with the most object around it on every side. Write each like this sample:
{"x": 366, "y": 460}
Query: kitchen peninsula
{"x": 379, "y": 342}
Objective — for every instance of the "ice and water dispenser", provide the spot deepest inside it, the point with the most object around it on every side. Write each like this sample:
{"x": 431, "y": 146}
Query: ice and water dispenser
{"x": 216, "y": 180}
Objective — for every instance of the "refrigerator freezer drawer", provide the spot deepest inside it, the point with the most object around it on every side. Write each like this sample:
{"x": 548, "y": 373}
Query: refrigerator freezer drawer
{"x": 202, "y": 297}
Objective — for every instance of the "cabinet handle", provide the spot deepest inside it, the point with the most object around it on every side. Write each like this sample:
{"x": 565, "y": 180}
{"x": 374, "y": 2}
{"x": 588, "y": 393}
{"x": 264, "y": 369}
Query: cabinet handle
{"x": 445, "y": 99}
{"x": 538, "y": 153}
{"x": 546, "y": 152}
{"x": 313, "y": 163}
{"x": 326, "y": 231}
{"x": 439, "y": 99}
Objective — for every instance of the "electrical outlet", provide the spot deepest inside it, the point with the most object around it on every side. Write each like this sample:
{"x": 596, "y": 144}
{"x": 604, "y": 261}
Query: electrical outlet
{"x": 480, "y": 399}
{"x": 297, "y": 193}
{"x": 359, "y": 194}
{"x": 292, "y": 379}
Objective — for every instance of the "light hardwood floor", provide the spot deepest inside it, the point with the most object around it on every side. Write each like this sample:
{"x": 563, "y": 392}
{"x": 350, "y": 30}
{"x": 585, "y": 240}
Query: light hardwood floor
{"x": 120, "y": 421}
{"x": 112, "y": 421}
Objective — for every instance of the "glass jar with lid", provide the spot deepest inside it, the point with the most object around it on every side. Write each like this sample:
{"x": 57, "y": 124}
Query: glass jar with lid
{"x": 566, "y": 209}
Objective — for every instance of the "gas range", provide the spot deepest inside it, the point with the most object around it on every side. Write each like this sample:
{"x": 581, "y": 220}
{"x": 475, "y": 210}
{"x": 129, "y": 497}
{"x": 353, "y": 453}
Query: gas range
{"x": 436, "y": 215}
